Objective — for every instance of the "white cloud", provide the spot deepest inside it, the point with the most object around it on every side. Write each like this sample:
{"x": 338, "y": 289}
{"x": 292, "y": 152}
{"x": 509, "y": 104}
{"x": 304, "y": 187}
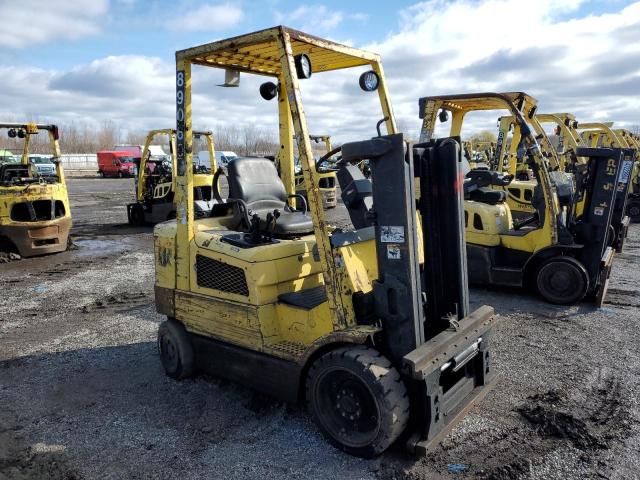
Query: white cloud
{"x": 31, "y": 22}
{"x": 208, "y": 18}
{"x": 585, "y": 65}
{"x": 318, "y": 19}
{"x": 589, "y": 66}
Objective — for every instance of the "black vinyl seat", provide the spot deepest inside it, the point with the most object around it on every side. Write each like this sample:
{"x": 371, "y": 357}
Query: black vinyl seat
{"x": 9, "y": 171}
{"x": 488, "y": 195}
{"x": 476, "y": 186}
{"x": 255, "y": 181}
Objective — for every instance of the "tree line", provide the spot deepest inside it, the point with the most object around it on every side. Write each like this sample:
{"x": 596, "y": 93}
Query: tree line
{"x": 86, "y": 137}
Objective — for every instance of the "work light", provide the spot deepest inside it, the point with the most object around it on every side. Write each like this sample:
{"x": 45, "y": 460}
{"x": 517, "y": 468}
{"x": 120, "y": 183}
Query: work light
{"x": 303, "y": 66}
{"x": 369, "y": 81}
{"x": 268, "y": 90}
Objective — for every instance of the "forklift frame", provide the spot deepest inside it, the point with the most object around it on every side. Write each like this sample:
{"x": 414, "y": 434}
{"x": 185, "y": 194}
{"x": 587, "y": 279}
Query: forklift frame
{"x": 46, "y": 230}
{"x": 460, "y": 350}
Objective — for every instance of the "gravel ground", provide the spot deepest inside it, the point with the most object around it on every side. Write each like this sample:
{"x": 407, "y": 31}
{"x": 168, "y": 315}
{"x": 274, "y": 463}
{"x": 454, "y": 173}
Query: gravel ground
{"x": 83, "y": 395}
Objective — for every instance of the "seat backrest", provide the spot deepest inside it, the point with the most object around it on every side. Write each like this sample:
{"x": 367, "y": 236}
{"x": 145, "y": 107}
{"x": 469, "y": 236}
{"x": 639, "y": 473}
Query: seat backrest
{"x": 10, "y": 171}
{"x": 255, "y": 180}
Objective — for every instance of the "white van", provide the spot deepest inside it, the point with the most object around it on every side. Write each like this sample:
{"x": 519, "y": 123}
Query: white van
{"x": 222, "y": 158}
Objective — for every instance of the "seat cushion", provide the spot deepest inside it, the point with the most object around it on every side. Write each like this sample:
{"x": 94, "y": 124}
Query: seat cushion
{"x": 289, "y": 223}
{"x": 487, "y": 195}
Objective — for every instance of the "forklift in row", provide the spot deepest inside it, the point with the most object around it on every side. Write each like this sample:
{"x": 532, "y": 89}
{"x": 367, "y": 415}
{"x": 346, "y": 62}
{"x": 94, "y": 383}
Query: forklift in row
{"x": 155, "y": 182}
{"x": 35, "y": 218}
{"x": 603, "y": 134}
{"x": 567, "y": 129}
{"x": 562, "y": 257}
{"x": 326, "y": 179}
{"x": 368, "y": 325}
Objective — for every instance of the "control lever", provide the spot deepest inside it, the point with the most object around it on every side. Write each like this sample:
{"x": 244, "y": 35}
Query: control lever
{"x": 254, "y": 230}
{"x": 272, "y": 218}
{"x": 380, "y": 122}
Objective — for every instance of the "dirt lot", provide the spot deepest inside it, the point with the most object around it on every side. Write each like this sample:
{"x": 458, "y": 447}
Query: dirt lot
{"x": 83, "y": 395}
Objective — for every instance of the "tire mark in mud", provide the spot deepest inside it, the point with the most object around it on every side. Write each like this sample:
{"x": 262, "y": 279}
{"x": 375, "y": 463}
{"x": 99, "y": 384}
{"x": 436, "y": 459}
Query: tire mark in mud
{"x": 622, "y": 298}
{"x": 119, "y": 302}
{"x": 590, "y": 423}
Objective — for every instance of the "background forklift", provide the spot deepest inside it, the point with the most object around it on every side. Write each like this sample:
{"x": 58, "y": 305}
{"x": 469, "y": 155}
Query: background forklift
{"x": 563, "y": 257}
{"x": 35, "y": 218}
{"x": 367, "y": 327}
{"x": 156, "y": 181}
{"x": 603, "y": 134}
{"x": 326, "y": 179}
{"x": 569, "y": 141}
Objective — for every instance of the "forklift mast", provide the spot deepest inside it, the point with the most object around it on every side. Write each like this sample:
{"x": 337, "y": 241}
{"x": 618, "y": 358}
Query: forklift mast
{"x": 424, "y": 309}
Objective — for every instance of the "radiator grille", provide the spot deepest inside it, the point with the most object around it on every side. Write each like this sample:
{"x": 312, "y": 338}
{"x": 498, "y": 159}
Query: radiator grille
{"x": 220, "y": 276}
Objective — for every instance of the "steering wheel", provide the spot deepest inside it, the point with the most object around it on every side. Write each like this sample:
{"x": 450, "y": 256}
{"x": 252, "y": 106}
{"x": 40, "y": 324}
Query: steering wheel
{"x": 326, "y": 158}
{"x": 214, "y": 184}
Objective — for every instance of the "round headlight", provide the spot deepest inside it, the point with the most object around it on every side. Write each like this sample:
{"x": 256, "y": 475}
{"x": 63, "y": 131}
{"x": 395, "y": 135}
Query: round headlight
{"x": 12, "y": 133}
{"x": 21, "y": 133}
{"x": 303, "y": 66}
{"x": 369, "y": 81}
{"x": 268, "y": 90}
{"x": 575, "y": 124}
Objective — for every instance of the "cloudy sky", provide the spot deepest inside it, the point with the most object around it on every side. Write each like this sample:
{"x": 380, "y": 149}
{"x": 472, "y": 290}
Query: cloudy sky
{"x": 114, "y": 59}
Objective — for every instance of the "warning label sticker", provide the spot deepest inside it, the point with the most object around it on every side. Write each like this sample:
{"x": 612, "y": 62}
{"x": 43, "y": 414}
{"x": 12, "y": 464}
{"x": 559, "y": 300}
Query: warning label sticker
{"x": 393, "y": 252}
{"x": 391, "y": 234}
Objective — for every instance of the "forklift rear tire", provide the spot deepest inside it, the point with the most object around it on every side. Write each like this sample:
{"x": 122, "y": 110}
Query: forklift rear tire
{"x": 136, "y": 215}
{"x": 633, "y": 210}
{"x": 562, "y": 281}
{"x": 176, "y": 351}
{"x": 357, "y": 400}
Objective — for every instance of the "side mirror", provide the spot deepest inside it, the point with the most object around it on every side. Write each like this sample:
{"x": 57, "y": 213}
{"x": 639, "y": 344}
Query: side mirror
{"x": 443, "y": 116}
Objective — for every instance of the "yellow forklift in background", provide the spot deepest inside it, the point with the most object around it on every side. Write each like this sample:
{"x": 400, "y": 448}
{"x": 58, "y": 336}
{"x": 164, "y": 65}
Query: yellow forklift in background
{"x": 156, "y": 181}
{"x": 603, "y": 134}
{"x": 326, "y": 179}
{"x": 633, "y": 202}
{"x": 563, "y": 257}
{"x": 369, "y": 326}
{"x": 35, "y": 218}
{"x": 569, "y": 141}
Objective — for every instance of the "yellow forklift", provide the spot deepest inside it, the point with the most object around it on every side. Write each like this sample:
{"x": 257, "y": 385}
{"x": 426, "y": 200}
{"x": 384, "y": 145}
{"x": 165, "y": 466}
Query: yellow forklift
{"x": 563, "y": 257}
{"x": 569, "y": 141}
{"x": 155, "y": 183}
{"x": 367, "y": 327}
{"x": 326, "y": 179}
{"x": 633, "y": 202}
{"x": 35, "y": 218}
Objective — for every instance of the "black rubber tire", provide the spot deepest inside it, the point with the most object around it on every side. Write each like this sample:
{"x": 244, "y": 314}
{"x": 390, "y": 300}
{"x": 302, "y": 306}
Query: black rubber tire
{"x": 175, "y": 349}
{"x": 633, "y": 210}
{"x": 369, "y": 385}
{"x": 171, "y": 215}
{"x": 137, "y": 215}
{"x": 562, "y": 281}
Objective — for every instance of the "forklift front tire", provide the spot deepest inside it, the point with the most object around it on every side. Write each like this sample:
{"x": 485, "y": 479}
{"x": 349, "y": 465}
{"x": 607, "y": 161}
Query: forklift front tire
{"x": 176, "y": 351}
{"x": 562, "y": 281}
{"x": 633, "y": 210}
{"x": 357, "y": 400}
